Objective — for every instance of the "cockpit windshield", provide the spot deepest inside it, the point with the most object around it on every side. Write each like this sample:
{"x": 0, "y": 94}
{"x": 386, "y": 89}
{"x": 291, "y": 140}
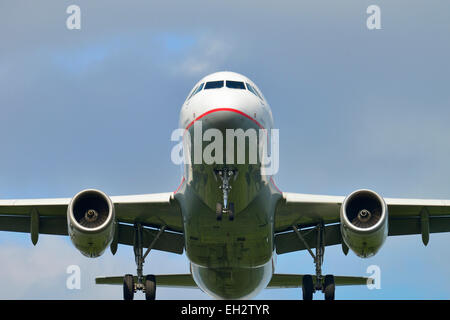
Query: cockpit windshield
{"x": 253, "y": 90}
{"x": 228, "y": 84}
{"x": 196, "y": 90}
{"x": 214, "y": 85}
{"x": 235, "y": 84}
{"x": 200, "y": 87}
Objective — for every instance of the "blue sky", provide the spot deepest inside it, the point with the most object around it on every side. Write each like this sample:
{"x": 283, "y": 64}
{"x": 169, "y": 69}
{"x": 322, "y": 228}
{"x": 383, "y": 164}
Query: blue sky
{"x": 95, "y": 108}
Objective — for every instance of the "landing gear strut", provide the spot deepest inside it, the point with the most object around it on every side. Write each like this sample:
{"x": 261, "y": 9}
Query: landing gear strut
{"x": 145, "y": 284}
{"x": 225, "y": 174}
{"x": 325, "y": 284}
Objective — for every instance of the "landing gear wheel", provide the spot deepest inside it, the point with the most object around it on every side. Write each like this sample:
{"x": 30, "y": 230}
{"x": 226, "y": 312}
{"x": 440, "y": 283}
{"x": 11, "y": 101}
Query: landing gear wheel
{"x": 329, "y": 287}
{"x": 307, "y": 287}
{"x": 219, "y": 212}
{"x": 150, "y": 287}
{"x": 128, "y": 287}
{"x": 231, "y": 211}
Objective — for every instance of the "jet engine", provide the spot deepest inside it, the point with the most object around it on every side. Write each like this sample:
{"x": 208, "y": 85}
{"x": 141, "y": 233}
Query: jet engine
{"x": 364, "y": 222}
{"x": 91, "y": 222}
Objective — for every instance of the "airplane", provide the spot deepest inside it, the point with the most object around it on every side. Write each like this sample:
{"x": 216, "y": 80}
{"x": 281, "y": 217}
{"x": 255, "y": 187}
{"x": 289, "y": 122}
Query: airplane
{"x": 228, "y": 216}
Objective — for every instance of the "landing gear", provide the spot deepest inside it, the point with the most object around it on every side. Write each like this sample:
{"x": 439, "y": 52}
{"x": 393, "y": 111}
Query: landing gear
{"x": 219, "y": 211}
{"x": 231, "y": 211}
{"x": 150, "y": 287}
{"x": 329, "y": 287}
{"x": 325, "y": 284}
{"x": 307, "y": 287}
{"x": 225, "y": 174}
{"x": 128, "y": 287}
{"x": 145, "y": 284}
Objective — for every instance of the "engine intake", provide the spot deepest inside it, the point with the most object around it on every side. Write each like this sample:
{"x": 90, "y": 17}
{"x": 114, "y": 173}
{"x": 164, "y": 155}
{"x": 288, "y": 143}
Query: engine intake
{"x": 364, "y": 223}
{"x": 90, "y": 218}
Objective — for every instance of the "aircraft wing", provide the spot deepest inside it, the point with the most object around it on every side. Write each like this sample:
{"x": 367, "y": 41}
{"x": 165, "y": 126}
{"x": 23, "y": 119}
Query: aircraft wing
{"x": 305, "y": 210}
{"x": 49, "y": 216}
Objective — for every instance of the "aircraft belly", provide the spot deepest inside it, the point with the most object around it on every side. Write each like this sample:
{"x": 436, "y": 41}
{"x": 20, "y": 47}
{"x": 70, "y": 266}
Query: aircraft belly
{"x": 232, "y": 283}
{"x": 247, "y": 241}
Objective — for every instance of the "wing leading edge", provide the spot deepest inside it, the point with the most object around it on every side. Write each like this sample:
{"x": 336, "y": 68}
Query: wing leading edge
{"x": 303, "y": 211}
{"x": 49, "y": 216}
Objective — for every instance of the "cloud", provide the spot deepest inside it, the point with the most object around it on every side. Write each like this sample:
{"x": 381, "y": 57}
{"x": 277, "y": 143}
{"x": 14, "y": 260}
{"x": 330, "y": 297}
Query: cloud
{"x": 209, "y": 56}
{"x": 77, "y": 60}
{"x": 40, "y": 272}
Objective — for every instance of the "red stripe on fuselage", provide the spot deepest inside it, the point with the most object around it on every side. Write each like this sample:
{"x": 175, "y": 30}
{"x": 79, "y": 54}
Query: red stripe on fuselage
{"x": 182, "y": 181}
{"x": 224, "y": 109}
{"x": 271, "y": 180}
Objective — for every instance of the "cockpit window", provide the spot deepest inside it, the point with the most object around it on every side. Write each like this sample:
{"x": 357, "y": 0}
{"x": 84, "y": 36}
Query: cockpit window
{"x": 235, "y": 84}
{"x": 214, "y": 84}
{"x": 196, "y": 90}
{"x": 192, "y": 93}
{"x": 200, "y": 87}
{"x": 253, "y": 90}
{"x": 259, "y": 94}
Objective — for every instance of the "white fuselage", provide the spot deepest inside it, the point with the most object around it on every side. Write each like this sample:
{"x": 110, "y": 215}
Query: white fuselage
{"x": 229, "y": 259}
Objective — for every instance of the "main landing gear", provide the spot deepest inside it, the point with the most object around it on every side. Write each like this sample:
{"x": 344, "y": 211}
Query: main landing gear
{"x": 145, "y": 284}
{"x": 225, "y": 174}
{"x": 322, "y": 283}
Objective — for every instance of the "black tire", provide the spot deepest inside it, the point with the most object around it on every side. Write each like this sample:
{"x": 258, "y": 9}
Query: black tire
{"x": 128, "y": 287}
{"x": 307, "y": 287}
{"x": 150, "y": 287}
{"x": 219, "y": 211}
{"x": 329, "y": 287}
{"x": 231, "y": 211}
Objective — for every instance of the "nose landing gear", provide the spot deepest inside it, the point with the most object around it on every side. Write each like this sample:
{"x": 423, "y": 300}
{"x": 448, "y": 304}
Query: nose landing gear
{"x": 225, "y": 174}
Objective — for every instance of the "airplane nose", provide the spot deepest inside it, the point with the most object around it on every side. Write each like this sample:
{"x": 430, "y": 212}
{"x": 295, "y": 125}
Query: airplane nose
{"x": 228, "y": 118}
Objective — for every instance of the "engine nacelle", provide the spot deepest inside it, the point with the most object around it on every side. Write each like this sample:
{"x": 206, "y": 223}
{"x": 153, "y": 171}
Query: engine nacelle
{"x": 364, "y": 222}
{"x": 91, "y": 222}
